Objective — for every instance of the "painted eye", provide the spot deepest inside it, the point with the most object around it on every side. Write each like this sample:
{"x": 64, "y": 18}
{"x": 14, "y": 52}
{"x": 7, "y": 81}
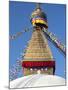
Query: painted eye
{"x": 42, "y": 69}
{"x": 35, "y": 69}
{"x": 46, "y": 69}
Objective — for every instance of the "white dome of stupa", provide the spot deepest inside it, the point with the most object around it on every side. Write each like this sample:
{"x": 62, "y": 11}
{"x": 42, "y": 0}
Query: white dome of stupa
{"x": 37, "y": 80}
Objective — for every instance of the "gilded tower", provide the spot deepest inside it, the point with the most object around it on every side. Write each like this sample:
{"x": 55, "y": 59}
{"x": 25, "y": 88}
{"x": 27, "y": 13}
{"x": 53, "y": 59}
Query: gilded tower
{"x": 38, "y": 57}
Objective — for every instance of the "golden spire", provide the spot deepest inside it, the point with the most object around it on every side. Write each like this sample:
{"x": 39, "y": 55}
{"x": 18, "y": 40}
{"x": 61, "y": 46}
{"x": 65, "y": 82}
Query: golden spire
{"x": 38, "y": 6}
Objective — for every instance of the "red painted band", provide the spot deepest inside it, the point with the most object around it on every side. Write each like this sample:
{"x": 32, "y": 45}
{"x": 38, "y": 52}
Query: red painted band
{"x": 38, "y": 63}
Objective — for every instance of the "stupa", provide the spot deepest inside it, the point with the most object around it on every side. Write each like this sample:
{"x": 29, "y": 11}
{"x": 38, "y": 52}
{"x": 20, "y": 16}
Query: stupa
{"x": 38, "y": 57}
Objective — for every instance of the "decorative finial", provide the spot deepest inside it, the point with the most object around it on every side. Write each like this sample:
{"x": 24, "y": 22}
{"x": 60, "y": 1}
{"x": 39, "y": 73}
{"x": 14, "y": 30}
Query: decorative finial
{"x": 38, "y": 6}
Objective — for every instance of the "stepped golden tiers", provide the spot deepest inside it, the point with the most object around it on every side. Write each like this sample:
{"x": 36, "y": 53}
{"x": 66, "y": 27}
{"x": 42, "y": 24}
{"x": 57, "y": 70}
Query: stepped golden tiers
{"x": 38, "y": 55}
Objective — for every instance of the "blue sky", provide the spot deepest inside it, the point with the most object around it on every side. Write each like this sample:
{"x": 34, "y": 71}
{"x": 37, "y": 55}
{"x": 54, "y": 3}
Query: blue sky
{"x": 19, "y": 13}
